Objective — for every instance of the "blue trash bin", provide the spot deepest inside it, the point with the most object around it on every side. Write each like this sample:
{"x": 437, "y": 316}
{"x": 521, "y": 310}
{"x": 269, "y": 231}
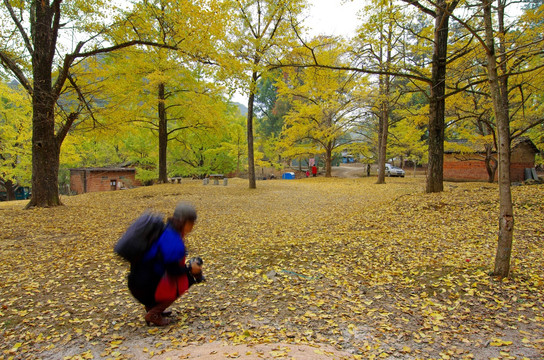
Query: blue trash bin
{"x": 288, "y": 176}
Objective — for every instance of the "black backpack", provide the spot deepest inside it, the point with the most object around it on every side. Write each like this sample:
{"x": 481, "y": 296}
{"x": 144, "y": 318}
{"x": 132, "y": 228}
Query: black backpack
{"x": 139, "y": 237}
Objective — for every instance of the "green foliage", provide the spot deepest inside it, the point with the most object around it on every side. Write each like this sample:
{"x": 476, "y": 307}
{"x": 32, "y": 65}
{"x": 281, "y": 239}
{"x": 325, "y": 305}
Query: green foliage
{"x": 270, "y": 109}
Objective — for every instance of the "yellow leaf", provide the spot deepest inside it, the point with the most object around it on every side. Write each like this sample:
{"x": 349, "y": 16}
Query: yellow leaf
{"x": 499, "y": 342}
{"x": 87, "y": 355}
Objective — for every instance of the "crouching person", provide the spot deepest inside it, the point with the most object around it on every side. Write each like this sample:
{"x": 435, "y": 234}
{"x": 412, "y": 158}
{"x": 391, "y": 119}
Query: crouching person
{"x": 162, "y": 275}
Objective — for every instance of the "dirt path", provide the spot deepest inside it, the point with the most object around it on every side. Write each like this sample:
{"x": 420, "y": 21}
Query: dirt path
{"x": 349, "y": 171}
{"x": 219, "y": 351}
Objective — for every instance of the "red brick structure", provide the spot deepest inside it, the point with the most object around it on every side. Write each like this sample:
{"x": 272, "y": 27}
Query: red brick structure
{"x": 471, "y": 166}
{"x": 84, "y": 180}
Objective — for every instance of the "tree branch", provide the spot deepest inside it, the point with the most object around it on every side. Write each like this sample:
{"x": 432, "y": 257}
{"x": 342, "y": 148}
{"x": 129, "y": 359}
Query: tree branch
{"x": 22, "y": 31}
{"x": 56, "y": 26}
{"x": 421, "y": 7}
{"x": 8, "y": 62}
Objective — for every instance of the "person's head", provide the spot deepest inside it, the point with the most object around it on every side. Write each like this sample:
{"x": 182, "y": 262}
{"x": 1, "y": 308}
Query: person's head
{"x": 184, "y": 218}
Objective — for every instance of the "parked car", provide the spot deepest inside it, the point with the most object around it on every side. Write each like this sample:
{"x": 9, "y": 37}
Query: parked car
{"x": 391, "y": 170}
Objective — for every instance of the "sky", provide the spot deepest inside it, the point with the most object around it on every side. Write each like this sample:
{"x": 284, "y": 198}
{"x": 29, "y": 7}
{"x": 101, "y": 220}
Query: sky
{"x": 327, "y": 17}
{"x": 334, "y": 17}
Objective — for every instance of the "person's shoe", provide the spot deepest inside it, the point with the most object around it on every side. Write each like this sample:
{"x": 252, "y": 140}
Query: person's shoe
{"x": 154, "y": 315}
{"x": 155, "y": 318}
{"x": 165, "y": 313}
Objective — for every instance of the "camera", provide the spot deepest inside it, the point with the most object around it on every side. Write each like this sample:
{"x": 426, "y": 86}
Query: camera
{"x": 198, "y": 260}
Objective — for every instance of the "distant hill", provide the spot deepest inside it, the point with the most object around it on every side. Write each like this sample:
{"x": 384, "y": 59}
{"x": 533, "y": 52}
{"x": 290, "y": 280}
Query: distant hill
{"x": 242, "y": 107}
{"x": 14, "y": 84}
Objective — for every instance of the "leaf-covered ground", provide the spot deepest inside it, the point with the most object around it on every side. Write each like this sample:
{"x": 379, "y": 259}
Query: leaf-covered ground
{"x": 377, "y": 271}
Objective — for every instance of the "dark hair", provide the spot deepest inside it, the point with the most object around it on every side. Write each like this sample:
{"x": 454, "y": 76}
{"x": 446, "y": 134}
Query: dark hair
{"x": 183, "y": 213}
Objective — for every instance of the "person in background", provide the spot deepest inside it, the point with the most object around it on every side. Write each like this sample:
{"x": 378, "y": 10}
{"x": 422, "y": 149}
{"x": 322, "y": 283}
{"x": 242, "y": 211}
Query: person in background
{"x": 162, "y": 275}
{"x": 314, "y": 171}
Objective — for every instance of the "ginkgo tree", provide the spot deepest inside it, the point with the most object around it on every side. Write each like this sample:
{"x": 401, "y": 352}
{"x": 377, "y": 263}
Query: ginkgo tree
{"x": 413, "y": 65}
{"x": 159, "y": 93}
{"x": 36, "y": 52}
{"x": 194, "y": 150}
{"x": 441, "y": 12}
{"x": 505, "y": 56}
{"x": 262, "y": 31}
{"x": 407, "y": 141}
{"x": 234, "y": 141}
{"x": 173, "y": 82}
{"x": 471, "y": 127}
{"x": 15, "y": 138}
{"x": 325, "y": 104}
{"x": 380, "y": 43}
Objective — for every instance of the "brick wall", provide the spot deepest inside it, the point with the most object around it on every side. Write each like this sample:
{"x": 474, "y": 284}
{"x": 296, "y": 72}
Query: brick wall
{"x": 101, "y": 180}
{"x": 458, "y": 167}
{"x": 77, "y": 178}
{"x": 468, "y": 170}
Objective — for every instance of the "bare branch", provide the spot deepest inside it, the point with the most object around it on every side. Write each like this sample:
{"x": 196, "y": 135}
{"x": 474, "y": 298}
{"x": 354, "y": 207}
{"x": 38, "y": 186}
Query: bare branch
{"x": 418, "y": 5}
{"x": 8, "y": 62}
{"x": 22, "y": 31}
{"x": 56, "y": 26}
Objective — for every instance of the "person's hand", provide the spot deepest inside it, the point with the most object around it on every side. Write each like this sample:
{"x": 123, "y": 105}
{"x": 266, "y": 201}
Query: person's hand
{"x": 195, "y": 268}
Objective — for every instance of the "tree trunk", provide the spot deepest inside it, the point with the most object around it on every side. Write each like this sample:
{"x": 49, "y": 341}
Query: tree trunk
{"x": 328, "y": 160}
{"x": 250, "y": 152}
{"x": 382, "y": 142}
{"x": 10, "y": 190}
{"x": 506, "y": 212}
{"x": 45, "y": 147}
{"x": 163, "y": 135}
{"x": 435, "y": 172}
{"x": 238, "y": 157}
{"x": 490, "y": 163}
{"x": 385, "y": 87}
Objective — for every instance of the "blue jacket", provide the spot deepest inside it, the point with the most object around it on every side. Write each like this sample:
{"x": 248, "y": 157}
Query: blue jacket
{"x": 167, "y": 253}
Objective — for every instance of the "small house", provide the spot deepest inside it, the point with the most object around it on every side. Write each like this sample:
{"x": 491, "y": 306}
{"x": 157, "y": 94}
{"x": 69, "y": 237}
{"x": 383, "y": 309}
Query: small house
{"x": 470, "y": 166}
{"x": 84, "y": 180}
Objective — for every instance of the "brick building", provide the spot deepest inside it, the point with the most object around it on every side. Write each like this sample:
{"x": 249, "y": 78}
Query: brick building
{"x": 463, "y": 166}
{"x": 84, "y": 180}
